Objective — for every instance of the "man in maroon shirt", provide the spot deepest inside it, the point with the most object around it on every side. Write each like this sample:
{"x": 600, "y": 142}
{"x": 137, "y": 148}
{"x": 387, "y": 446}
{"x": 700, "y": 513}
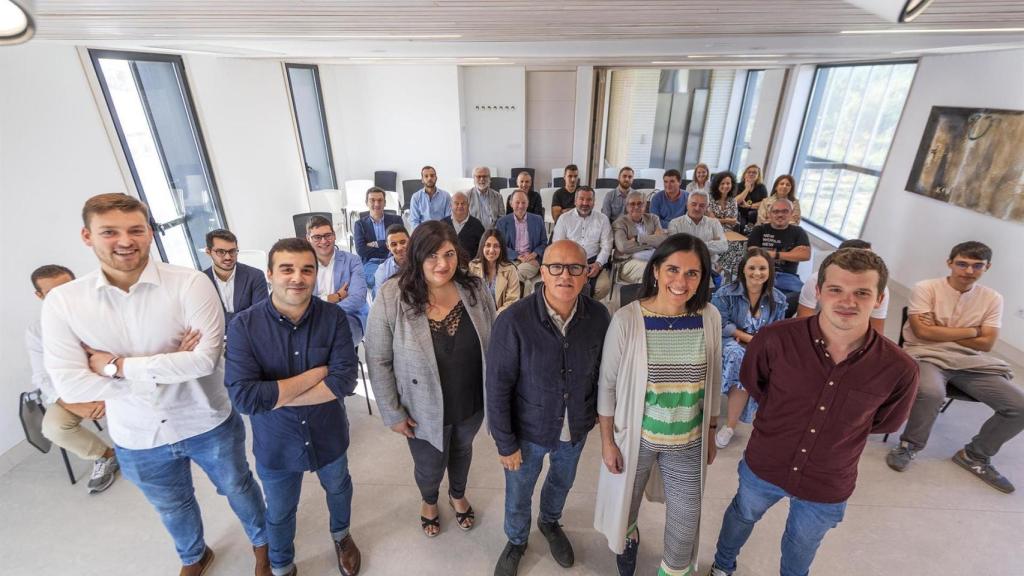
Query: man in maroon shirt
{"x": 823, "y": 383}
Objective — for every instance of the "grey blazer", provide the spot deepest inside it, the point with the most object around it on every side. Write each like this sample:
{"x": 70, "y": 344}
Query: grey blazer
{"x": 400, "y": 358}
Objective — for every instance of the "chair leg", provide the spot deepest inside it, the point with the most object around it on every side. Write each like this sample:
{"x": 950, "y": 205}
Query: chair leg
{"x": 885, "y": 439}
{"x": 96, "y": 423}
{"x": 366, "y": 391}
{"x": 946, "y": 405}
{"x": 67, "y": 466}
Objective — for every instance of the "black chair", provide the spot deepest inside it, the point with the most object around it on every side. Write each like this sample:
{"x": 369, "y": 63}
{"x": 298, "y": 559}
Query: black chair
{"x": 607, "y": 183}
{"x": 684, "y": 183}
{"x": 643, "y": 184}
{"x": 410, "y": 187}
{"x": 628, "y": 293}
{"x": 499, "y": 182}
{"x": 515, "y": 175}
{"x": 952, "y": 392}
{"x": 31, "y": 412}
{"x": 299, "y": 221}
{"x": 558, "y": 182}
{"x": 386, "y": 180}
{"x": 362, "y": 374}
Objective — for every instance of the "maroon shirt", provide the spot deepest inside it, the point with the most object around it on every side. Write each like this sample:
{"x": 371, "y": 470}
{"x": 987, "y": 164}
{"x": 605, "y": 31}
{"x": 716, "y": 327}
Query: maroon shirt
{"x": 815, "y": 416}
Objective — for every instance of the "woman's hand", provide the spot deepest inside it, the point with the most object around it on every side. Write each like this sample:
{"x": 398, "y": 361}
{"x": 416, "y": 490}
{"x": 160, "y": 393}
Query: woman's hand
{"x": 405, "y": 428}
{"x": 612, "y": 457}
{"x": 712, "y": 447}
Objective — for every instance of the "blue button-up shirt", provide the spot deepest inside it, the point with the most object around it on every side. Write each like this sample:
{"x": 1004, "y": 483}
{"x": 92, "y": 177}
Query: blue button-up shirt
{"x": 387, "y": 269}
{"x": 265, "y": 347}
{"x": 422, "y": 207}
{"x": 379, "y": 229}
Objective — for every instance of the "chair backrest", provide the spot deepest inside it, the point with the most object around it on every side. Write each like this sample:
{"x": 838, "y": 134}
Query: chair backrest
{"x": 628, "y": 293}
{"x": 506, "y": 193}
{"x": 393, "y": 199}
{"x": 299, "y": 221}
{"x": 607, "y": 183}
{"x": 256, "y": 258}
{"x": 611, "y": 172}
{"x": 326, "y": 201}
{"x": 31, "y": 412}
{"x": 655, "y": 174}
{"x": 409, "y": 187}
{"x": 515, "y": 175}
{"x": 386, "y": 179}
{"x": 547, "y": 195}
{"x": 558, "y": 182}
{"x": 904, "y": 317}
{"x": 499, "y": 182}
{"x": 685, "y": 182}
{"x": 643, "y": 183}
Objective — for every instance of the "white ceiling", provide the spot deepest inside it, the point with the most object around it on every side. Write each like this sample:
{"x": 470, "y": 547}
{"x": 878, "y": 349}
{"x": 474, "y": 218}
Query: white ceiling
{"x": 533, "y": 32}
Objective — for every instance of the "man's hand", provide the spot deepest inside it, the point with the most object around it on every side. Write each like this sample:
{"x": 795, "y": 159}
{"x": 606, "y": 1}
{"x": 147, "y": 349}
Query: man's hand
{"x": 189, "y": 340}
{"x": 97, "y": 359}
{"x": 405, "y": 427}
{"x": 712, "y": 449}
{"x": 612, "y": 457}
{"x": 86, "y": 410}
{"x": 593, "y": 270}
{"x": 528, "y": 257}
{"x": 338, "y": 296}
{"x": 372, "y": 244}
{"x": 513, "y": 461}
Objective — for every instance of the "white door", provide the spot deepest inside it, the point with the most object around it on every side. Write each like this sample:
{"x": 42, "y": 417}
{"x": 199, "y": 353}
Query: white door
{"x": 550, "y": 115}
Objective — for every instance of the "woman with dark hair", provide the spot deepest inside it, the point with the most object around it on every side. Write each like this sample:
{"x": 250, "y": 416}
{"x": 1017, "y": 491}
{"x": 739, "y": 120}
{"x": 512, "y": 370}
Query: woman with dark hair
{"x": 425, "y": 348}
{"x": 493, "y": 267}
{"x": 723, "y": 199}
{"x": 784, "y": 187}
{"x": 750, "y": 194}
{"x": 747, "y": 305}
{"x": 658, "y": 401}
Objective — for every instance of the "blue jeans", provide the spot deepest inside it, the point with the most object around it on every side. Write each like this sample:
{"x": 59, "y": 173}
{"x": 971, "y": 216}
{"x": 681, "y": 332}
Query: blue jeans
{"x": 369, "y": 269}
{"x": 282, "y": 489}
{"x": 164, "y": 474}
{"x": 805, "y": 527}
{"x": 788, "y": 282}
{"x": 519, "y": 486}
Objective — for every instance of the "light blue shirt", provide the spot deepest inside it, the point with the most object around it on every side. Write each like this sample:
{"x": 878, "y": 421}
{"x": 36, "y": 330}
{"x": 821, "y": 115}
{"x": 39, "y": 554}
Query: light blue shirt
{"x": 387, "y": 269}
{"x": 422, "y": 207}
{"x": 667, "y": 210}
{"x": 379, "y": 229}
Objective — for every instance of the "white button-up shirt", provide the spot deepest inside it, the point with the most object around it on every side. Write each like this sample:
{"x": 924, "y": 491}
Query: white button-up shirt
{"x": 325, "y": 279}
{"x": 593, "y": 233}
{"x": 227, "y": 289}
{"x": 708, "y": 229}
{"x": 40, "y": 379}
{"x": 165, "y": 396}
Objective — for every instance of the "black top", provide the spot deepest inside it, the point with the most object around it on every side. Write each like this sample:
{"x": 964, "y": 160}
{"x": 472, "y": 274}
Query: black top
{"x": 756, "y": 195}
{"x": 459, "y": 364}
{"x": 764, "y": 236}
{"x": 469, "y": 236}
{"x": 564, "y": 199}
{"x": 535, "y": 205}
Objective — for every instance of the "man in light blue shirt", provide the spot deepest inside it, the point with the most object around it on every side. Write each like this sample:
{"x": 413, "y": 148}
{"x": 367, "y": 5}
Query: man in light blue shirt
{"x": 397, "y": 242}
{"x": 429, "y": 202}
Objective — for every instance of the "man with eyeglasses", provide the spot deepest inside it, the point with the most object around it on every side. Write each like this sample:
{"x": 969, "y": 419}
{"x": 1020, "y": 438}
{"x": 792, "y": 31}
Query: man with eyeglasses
{"x": 542, "y": 371}
{"x": 339, "y": 276}
{"x": 953, "y": 324}
{"x": 239, "y": 286}
{"x": 789, "y": 244}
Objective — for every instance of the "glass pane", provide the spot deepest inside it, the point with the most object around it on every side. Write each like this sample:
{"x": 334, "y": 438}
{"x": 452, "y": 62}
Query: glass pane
{"x": 312, "y": 132}
{"x": 176, "y": 246}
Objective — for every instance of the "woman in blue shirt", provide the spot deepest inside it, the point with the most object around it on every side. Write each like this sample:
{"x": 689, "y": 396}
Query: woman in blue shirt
{"x": 747, "y": 305}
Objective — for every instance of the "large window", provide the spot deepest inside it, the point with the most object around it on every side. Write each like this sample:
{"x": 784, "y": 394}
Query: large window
{"x": 745, "y": 125}
{"x": 148, "y": 98}
{"x": 850, "y": 123}
{"x": 308, "y": 105}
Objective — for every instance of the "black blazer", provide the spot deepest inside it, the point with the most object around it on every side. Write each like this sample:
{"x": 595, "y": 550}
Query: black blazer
{"x": 470, "y": 236}
{"x": 363, "y": 233}
{"x": 250, "y": 288}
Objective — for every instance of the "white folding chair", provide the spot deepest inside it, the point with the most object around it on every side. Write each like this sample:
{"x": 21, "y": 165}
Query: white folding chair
{"x": 332, "y": 201}
{"x": 611, "y": 172}
{"x": 599, "y": 194}
{"x": 505, "y": 193}
{"x": 392, "y": 201}
{"x": 547, "y": 196}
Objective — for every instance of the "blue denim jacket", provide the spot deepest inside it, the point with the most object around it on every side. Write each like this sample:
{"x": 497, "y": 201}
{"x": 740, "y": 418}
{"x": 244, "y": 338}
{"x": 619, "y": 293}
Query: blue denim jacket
{"x": 731, "y": 301}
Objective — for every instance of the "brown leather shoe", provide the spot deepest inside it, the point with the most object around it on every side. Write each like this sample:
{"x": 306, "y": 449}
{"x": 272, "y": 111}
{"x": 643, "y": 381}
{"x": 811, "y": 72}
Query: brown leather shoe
{"x": 349, "y": 558}
{"x": 199, "y": 568}
{"x": 262, "y": 554}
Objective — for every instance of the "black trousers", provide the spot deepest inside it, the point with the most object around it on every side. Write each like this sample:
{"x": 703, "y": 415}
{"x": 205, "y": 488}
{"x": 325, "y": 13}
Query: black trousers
{"x": 429, "y": 464}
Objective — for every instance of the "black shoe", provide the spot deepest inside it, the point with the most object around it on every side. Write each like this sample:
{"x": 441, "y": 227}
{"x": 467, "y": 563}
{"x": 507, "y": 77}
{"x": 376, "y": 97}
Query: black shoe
{"x": 627, "y": 560}
{"x": 561, "y": 549}
{"x": 508, "y": 562}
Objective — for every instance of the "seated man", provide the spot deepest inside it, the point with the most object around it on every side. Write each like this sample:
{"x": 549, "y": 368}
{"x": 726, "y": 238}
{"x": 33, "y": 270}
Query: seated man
{"x": 615, "y": 201}
{"x": 953, "y": 323}
{"x": 535, "y": 204}
{"x": 525, "y": 238}
{"x": 809, "y": 297}
{"x": 370, "y": 232}
{"x": 789, "y": 244}
{"x": 593, "y": 232}
{"x": 697, "y": 223}
{"x": 670, "y": 203}
{"x": 485, "y": 203}
{"x": 467, "y": 228}
{"x": 565, "y": 197}
{"x": 62, "y": 423}
{"x": 339, "y": 277}
{"x": 636, "y": 234}
{"x": 397, "y": 241}
{"x": 429, "y": 202}
{"x": 239, "y": 286}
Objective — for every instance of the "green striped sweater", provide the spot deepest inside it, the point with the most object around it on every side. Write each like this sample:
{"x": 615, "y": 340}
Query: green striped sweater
{"x": 676, "y": 369}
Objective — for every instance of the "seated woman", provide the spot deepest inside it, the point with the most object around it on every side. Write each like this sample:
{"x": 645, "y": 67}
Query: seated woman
{"x": 499, "y": 275}
{"x": 784, "y": 187}
{"x": 747, "y": 305}
{"x": 750, "y": 194}
{"x": 723, "y": 200}
{"x": 701, "y": 175}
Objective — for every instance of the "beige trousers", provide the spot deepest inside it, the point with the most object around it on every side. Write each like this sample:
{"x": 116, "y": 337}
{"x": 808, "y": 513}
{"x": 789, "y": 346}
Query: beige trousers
{"x": 632, "y": 271}
{"x": 64, "y": 429}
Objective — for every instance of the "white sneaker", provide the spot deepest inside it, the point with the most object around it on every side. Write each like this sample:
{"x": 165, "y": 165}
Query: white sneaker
{"x": 724, "y": 436}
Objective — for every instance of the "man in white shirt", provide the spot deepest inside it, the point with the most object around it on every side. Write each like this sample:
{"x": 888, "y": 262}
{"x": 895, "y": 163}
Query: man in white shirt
{"x": 696, "y": 223}
{"x": 809, "y": 297}
{"x": 113, "y": 336}
{"x": 593, "y": 232}
{"x": 62, "y": 423}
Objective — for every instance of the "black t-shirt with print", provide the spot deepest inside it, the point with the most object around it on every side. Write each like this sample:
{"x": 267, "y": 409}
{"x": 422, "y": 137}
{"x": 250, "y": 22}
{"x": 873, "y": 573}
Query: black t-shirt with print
{"x": 764, "y": 236}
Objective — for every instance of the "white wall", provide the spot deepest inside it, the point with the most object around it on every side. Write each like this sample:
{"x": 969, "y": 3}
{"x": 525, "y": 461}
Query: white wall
{"x": 583, "y": 120}
{"x": 550, "y": 120}
{"x": 764, "y": 120}
{"x": 248, "y": 127}
{"x": 393, "y": 118}
{"x": 493, "y": 137}
{"x": 915, "y": 233}
{"x": 54, "y": 154}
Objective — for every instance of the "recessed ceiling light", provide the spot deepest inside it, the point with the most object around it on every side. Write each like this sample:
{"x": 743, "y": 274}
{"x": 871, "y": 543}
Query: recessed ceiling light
{"x": 933, "y": 31}
{"x": 736, "y": 56}
{"x": 16, "y": 23}
{"x": 707, "y": 62}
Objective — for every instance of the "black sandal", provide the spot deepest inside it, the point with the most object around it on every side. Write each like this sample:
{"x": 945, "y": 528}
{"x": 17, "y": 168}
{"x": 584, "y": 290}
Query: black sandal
{"x": 462, "y": 517}
{"x": 426, "y": 523}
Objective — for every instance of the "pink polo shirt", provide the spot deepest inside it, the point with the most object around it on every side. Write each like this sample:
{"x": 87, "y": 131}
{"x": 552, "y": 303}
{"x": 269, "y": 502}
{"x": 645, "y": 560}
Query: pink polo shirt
{"x": 979, "y": 306}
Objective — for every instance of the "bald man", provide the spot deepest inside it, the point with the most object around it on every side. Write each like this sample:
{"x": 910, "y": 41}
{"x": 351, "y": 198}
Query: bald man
{"x": 468, "y": 228}
{"x": 542, "y": 367}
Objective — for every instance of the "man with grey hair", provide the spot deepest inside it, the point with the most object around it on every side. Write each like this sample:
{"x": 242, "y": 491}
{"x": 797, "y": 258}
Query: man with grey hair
{"x": 467, "y": 227}
{"x": 593, "y": 232}
{"x": 696, "y": 223}
{"x": 636, "y": 234}
{"x": 789, "y": 244}
{"x": 485, "y": 203}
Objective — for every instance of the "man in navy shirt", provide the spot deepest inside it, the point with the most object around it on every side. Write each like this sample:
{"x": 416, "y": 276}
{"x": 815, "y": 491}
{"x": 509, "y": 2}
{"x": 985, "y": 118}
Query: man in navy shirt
{"x": 290, "y": 363}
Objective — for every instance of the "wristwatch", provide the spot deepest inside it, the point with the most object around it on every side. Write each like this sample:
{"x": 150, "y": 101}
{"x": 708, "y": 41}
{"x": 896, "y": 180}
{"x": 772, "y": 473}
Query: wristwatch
{"x": 110, "y": 368}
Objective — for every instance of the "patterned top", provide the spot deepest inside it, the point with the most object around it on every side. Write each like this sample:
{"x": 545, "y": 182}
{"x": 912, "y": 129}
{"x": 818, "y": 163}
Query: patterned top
{"x": 676, "y": 369}
{"x": 731, "y": 210}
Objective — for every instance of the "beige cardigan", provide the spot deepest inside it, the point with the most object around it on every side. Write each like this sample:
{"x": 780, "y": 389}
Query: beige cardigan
{"x": 620, "y": 393}
{"x": 506, "y": 283}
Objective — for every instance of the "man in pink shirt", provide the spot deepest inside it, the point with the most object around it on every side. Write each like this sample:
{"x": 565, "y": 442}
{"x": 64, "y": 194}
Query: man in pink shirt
{"x": 953, "y": 324}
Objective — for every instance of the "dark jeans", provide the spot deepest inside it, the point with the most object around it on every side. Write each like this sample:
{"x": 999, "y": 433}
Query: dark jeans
{"x": 519, "y": 486}
{"x": 806, "y": 526}
{"x": 282, "y": 489}
{"x": 164, "y": 474}
{"x": 790, "y": 285}
{"x": 429, "y": 464}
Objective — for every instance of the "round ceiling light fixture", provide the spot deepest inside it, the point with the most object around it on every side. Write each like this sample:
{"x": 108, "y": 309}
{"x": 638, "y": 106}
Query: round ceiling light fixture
{"x": 893, "y": 10}
{"x": 16, "y": 22}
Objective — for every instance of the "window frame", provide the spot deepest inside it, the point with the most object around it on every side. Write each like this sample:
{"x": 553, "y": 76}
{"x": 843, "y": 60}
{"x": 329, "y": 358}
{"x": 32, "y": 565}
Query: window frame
{"x": 323, "y": 121}
{"x": 751, "y": 88}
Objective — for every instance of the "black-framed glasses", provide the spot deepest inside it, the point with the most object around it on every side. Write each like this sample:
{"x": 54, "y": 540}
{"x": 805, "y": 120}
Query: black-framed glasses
{"x": 220, "y": 252}
{"x": 321, "y": 237}
{"x": 557, "y": 269}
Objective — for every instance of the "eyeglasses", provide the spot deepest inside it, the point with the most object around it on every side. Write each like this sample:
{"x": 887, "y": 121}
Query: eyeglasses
{"x": 317, "y": 238}
{"x": 781, "y": 211}
{"x": 977, "y": 266}
{"x": 220, "y": 252}
{"x": 557, "y": 269}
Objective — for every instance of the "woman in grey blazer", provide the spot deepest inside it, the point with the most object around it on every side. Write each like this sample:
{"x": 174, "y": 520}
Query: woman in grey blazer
{"x": 425, "y": 346}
